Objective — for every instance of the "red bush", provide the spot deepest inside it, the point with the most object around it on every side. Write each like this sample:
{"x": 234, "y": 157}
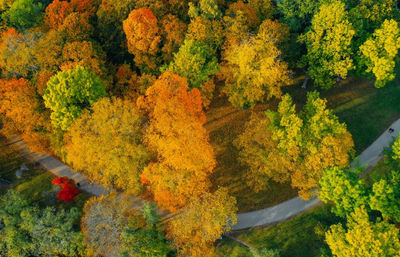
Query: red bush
{"x": 68, "y": 191}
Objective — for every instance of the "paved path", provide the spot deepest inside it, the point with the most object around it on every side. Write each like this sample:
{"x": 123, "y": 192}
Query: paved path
{"x": 367, "y": 159}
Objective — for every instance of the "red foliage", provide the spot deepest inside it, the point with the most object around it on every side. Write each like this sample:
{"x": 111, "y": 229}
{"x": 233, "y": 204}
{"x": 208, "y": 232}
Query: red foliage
{"x": 68, "y": 191}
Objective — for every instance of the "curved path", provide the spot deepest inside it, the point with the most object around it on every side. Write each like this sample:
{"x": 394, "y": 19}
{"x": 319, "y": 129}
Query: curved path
{"x": 368, "y": 159}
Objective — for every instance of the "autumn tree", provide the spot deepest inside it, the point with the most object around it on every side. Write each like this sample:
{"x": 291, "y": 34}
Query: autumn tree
{"x": 286, "y": 146}
{"x": 195, "y": 229}
{"x": 207, "y": 9}
{"x": 19, "y": 104}
{"x": 258, "y": 72}
{"x": 361, "y": 237}
{"x": 104, "y": 220}
{"x": 56, "y": 12}
{"x": 69, "y": 92}
{"x": 195, "y": 62}
{"x": 143, "y": 36}
{"x": 380, "y": 50}
{"x": 106, "y": 144}
{"x": 76, "y": 27}
{"x": 48, "y": 51}
{"x": 328, "y": 44}
{"x": 344, "y": 189}
{"x": 207, "y": 32}
{"x": 86, "y": 54}
{"x": 173, "y": 34}
{"x": 23, "y": 14}
{"x": 111, "y": 35}
{"x": 177, "y": 138}
{"x": 17, "y": 53}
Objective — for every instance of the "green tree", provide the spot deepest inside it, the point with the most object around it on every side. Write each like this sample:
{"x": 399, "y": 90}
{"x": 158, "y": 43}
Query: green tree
{"x": 363, "y": 238}
{"x": 380, "y": 50}
{"x": 69, "y": 92}
{"x": 385, "y": 196}
{"x": 195, "y": 62}
{"x": 297, "y": 13}
{"x": 258, "y": 71}
{"x": 31, "y": 231}
{"x": 344, "y": 189}
{"x": 329, "y": 44}
{"x": 264, "y": 252}
{"x": 143, "y": 238}
{"x": 23, "y": 14}
{"x": 106, "y": 144}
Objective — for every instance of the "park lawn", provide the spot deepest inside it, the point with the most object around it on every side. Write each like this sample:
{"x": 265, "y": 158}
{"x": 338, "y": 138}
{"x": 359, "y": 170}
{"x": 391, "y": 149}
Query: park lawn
{"x": 301, "y": 236}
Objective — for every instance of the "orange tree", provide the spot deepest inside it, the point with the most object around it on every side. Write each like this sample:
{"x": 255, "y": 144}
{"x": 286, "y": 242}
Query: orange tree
{"x": 178, "y": 140}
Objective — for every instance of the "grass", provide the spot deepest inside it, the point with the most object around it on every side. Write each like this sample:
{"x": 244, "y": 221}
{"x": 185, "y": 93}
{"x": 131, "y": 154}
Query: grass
{"x": 301, "y": 236}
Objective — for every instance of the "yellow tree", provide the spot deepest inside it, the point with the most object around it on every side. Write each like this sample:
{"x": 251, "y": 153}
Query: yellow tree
{"x": 329, "y": 44}
{"x": 257, "y": 69}
{"x": 177, "y": 138}
{"x": 380, "y": 50}
{"x": 106, "y": 144}
{"x": 195, "y": 229}
{"x": 363, "y": 238}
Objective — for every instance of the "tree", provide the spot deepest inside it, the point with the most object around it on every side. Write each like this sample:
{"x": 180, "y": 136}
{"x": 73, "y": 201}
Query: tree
{"x": 20, "y": 106}
{"x": 368, "y": 15}
{"x": 206, "y": 32}
{"x": 143, "y": 36}
{"x": 173, "y": 34}
{"x": 23, "y": 14}
{"x": 195, "y": 62}
{"x": 85, "y": 54}
{"x": 258, "y": 72}
{"x": 107, "y": 144}
{"x": 104, "y": 220}
{"x": 16, "y": 53}
{"x": 69, "y": 92}
{"x": 363, "y": 238}
{"x": 344, "y": 189}
{"x": 286, "y": 146}
{"x": 76, "y": 27}
{"x": 143, "y": 238}
{"x": 329, "y": 44}
{"x": 31, "y": 231}
{"x": 207, "y": 9}
{"x": 298, "y": 13}
{"x": 48, "y": 51}
{"x": 385, "y": 197}
{"x": 380, "y": 50}
{"x": 195, "y": 229}
{"x": 56, "y": 12}
{"x": 68, "y": 190}
{"x": 177, "y": 137}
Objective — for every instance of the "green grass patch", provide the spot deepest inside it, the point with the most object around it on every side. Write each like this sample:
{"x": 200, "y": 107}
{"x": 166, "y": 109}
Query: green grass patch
{"x": 301, "y": 236}
{"x": 227, "y": 247}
